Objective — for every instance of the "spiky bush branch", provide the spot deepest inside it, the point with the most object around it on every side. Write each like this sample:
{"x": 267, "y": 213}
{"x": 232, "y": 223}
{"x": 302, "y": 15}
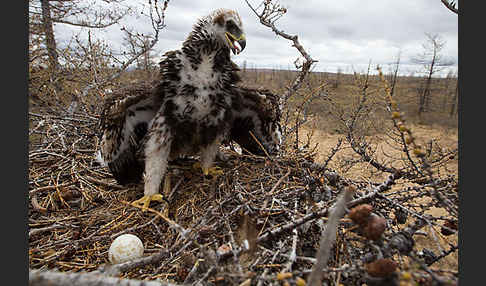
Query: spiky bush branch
{"x": 271, "y": 11}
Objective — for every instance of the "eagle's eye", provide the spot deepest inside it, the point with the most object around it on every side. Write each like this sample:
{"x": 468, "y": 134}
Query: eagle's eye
{"x": 230, "y": 25}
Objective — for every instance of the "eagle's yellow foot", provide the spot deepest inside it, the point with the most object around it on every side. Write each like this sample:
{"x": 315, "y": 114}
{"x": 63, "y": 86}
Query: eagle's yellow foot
{"x": 144, "y": 202}
{"x": 213, "y": 171}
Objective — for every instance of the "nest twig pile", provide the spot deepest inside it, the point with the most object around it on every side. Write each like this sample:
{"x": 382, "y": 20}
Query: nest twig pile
{"x": 259, "y": 223}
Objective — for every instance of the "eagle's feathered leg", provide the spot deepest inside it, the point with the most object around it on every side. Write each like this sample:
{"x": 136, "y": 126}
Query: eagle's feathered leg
{"x": 208, "y": 154}
{"x": 156, "y": 152}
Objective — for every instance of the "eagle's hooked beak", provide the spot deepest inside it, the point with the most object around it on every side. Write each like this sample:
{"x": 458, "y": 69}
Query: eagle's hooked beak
{"x": 241, "y": 42}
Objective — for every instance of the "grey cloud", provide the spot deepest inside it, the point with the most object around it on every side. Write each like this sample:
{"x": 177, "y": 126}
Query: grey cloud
{"x": 345, "y": 33}
{"x": 339, "y": 31}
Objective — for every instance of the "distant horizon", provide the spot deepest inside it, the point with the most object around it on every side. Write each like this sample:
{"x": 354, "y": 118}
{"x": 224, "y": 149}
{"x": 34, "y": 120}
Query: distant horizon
{"x": 386, "y": 70}
{"x": 403, "y": 70}
{"x": 347, "y": 70}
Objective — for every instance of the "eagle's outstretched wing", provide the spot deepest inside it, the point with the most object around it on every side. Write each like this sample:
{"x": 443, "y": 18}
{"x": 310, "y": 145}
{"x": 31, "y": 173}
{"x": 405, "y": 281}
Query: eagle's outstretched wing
{"x": 125, "y": 119}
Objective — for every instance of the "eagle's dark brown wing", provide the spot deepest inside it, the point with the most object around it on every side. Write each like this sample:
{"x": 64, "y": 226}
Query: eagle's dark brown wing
{"x": 256, "y": 110}
{"x": 126, "y": 116}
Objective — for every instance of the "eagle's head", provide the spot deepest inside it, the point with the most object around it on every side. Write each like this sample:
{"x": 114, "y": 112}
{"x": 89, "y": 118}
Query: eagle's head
{"x": 226, "y": 26}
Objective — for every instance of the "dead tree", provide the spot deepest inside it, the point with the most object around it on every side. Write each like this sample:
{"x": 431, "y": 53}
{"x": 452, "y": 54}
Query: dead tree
{"x": 75, "y": 13}
{"x": 394, "y": 75}
{"x": 67, "y": 12}
{"x": 50, "y": 41}
{"x": 136, "y": 42}
{"x": 432, "y": 62}
{"x": 448, "y": 82}
{"x": 337, "y": 81}
{"x": 60, "y": 12}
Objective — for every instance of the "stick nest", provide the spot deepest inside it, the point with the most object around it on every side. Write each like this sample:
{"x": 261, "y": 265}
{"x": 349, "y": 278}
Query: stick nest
{"x": 260, "y": 221}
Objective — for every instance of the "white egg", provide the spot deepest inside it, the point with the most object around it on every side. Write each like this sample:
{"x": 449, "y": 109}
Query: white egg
{"x": 124, "y": 248}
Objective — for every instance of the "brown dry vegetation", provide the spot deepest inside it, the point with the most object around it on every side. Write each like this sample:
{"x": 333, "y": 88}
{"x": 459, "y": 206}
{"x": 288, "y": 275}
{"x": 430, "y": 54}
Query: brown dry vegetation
{"x": 438, "y": 126}
{"x": 346, "y": 93}
{"x": 447, "y": 136}
{"x": 78, "y": 209}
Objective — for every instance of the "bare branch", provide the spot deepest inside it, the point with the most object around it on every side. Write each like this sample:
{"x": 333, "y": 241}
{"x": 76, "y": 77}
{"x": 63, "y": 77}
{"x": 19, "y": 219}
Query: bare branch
{"x": 328, "y": 236}
{"x": 55, "y": 278}
{"x": 272, "y": 233}
{"x": 158, "y": 24}
{"x": 270, "y": 14}
{"x": 90, "y": 25}
{"x": 115, "y": 270}
{"x": 450, "y": 5}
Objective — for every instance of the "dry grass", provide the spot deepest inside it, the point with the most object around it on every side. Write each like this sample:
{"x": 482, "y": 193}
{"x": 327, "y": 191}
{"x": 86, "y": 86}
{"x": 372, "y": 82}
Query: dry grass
{"x": 447, "y": 137}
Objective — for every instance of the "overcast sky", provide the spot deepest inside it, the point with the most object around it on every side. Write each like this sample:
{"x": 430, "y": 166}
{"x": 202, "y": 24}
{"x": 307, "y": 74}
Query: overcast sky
{"x": 345, "y": 34}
